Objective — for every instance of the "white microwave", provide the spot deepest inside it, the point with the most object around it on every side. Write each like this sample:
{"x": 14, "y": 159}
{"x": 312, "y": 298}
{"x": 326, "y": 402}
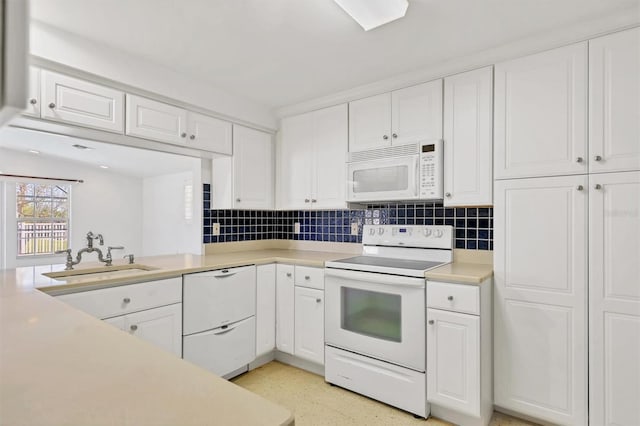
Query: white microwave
{"x": 396, "y": 173}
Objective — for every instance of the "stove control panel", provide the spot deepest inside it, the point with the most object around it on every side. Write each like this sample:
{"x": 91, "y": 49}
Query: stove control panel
{"x": 424, "y": 236}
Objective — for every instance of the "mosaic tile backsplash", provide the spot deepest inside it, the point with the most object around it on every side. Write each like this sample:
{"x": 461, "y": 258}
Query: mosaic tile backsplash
{"x": 473, "y": 225}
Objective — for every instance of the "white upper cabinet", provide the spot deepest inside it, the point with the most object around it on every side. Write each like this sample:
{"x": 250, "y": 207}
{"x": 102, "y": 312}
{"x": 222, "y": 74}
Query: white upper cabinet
{"x": 209, "y": 134}
{"x": 252, "y": 169}
{"x": 541, "y": 114}
{"x": 540, "y": 272}
{"x": 312, "y": 159}
{"x": 33, "y": 93}
{"x": 75, "y": 101}
{"x": 614, "y": 298}
{"x": 416, "y": 113}
{"x": 155, "y": 120}
{"x": 370, "y": 123}
{"x": 468, "y": 138}
{"x": 403, "y": 116}
{"x": 614, "y": 102}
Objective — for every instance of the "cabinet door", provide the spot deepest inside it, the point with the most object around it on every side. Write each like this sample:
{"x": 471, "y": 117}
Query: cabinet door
{"x": 541, "y": 114}
{"x": 160, "y": 326}
{"x": 209, "y": 134}
{"x": 328, "y": 161}
{"x": 309, "y": 324}
{"x": 265, "y": 309}
{"x": 253, "y": 169}
{"x": 296, "y": 139}
{"x": 285, "y": 299}
{"x": 75, "y": 101}
{"x": 370, "y": 123}
{"x": 468, "y": 138}
{"x": 416, "y": 113}
{"x": 33, "y": 94}
{"x": 614, "y": 102}
{"x": 156, "y": 120}
{"x": 614, "y": 299}
{"x": 540, "y": 309}
{"x": 453, "y": 361}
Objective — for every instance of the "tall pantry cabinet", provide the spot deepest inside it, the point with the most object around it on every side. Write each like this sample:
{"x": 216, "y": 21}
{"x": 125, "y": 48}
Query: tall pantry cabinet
{"x": 567, "y": 233}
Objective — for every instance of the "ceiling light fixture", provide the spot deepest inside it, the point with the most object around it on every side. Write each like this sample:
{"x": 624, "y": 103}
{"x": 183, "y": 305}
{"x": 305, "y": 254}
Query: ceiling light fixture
{"x": 373, "y": 13}
{"x": 33, "y": 151}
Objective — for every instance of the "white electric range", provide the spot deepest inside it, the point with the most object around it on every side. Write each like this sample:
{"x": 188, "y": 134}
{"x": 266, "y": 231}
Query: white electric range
{"x": 375, "y": 313}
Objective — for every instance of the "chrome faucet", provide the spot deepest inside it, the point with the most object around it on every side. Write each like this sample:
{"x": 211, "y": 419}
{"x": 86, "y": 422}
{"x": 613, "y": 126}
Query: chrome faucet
{"x": 89, "y": 249}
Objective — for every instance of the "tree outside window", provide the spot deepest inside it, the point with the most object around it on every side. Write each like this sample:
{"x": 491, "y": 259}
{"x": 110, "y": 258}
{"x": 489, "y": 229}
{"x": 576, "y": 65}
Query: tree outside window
{"x": 42, "y": 213}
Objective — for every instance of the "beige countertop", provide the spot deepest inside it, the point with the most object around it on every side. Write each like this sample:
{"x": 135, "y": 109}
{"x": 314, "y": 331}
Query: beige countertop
{"x": 61, "y": 366}
{"x": 457, "y": 272}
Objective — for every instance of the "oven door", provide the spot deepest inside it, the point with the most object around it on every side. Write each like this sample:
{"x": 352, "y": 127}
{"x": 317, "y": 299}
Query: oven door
{"x": 378, "y": 315}
{"x": 383, "y": 180}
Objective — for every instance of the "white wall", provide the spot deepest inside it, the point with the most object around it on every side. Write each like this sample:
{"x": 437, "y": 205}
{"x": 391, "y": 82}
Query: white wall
{"x": 64, "y": 48}
{"x": 106, "y": 203}
{"x": 165, "y": 229}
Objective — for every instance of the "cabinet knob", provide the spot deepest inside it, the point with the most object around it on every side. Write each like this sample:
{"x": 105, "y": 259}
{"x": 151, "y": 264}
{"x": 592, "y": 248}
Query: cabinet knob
{"x": 318, "y": 300}
{"x": 385, "y": 137}
{"x": 431, "y": 322}
{"x": 449, "y": 298}
{"x": 313, "y": 200}
{"x": 579, "y": 160}
{"x": 183, "y": 135}
{"x": 597, "y": 186}
{"x": 597, "y": 158}
{"x": 307, "y": 277}
{"x": 580, "y": 187}
{"x": 52, "y": 105}
{"x": 237, "y": 200}
{"x": 288, "y": 274}
{"x": 192, "y": 137}
{"x": 33, "y": 101}
{"x": 447, "y": 194}
{"x": 126, "y": 300}
{"x": 395, "y": 136}
{"x": 306, "y": 200}
{"x": 133, "y": 327}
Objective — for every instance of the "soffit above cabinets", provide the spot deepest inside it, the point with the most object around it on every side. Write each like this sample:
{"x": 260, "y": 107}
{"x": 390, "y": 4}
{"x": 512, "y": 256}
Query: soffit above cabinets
{"x": 281, "y": 52}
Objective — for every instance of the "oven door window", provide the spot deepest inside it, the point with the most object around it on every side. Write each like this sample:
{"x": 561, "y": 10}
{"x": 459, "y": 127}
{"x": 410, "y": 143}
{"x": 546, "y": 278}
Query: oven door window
{"x": 381, "y": 179}
{"x": 371, "y": 313}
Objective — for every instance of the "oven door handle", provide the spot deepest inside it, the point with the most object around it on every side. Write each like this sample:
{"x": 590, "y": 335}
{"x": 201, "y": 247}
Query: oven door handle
{"x": 395, "y": 280}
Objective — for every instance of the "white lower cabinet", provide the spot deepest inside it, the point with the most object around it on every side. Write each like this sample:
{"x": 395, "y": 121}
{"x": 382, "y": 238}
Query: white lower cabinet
{"x": 285, "y": 299}
{"x": 265, "y": 309}
{"x": 309, "y": 324}
{"x": 161, "y": 326}
{"x": 459, "y": 352}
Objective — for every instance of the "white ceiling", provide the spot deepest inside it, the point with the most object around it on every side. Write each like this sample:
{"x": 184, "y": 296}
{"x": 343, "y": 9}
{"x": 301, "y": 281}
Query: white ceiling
{"x": 120, "y": 159}
{"x": 281, "y": 52}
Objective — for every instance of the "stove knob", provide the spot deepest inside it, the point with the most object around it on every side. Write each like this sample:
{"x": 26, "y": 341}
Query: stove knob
{"x": 380, "y": 231}
{"x": 437, "y": 233}
{"x": 372, "y": 231}
{"x": 427, "y": 232}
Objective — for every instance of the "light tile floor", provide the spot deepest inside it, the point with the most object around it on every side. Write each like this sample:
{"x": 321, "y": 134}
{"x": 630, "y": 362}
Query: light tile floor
{"x": 316, "y": 403}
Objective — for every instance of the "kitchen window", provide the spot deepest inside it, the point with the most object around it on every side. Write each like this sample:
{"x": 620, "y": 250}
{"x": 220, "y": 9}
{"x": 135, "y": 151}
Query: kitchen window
{"x": 42, "y": 216}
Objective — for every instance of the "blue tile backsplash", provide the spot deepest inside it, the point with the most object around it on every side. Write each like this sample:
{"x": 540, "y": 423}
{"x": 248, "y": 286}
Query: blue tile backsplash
{"x": 473, "y": 225}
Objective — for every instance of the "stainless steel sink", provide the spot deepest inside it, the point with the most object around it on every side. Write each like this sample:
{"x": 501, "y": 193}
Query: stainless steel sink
{"x": 101, "y": 272}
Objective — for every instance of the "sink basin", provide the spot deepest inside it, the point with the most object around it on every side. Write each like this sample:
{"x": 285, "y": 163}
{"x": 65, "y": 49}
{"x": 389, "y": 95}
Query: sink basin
{"x": 102, "y": 271}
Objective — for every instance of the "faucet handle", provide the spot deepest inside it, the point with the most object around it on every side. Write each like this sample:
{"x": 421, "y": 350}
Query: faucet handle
{"x": 130, "y": 257}
{"x": 108, "y": 259}
{"x": 69, "y": 264}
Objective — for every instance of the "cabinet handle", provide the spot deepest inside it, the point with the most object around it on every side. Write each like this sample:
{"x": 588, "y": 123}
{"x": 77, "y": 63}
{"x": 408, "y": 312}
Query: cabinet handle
{"x": 431, "y": 322}
{"x": 318, "y": 300}
{"x": 288, "y": 274}
{"x": 395, "y": 135}
{"x": 183, "y": 135}
{"x": 597, "y": 158}
{"x": 306, "y": 200}
{"x": 126, "y": 300}
{"x": 313, "y": 200}
{"x": 579, "y": 160}
{"x": 307, "y": 277}
{"x": 192, "y": 137}
{"x": 450, "y": 298}
{"x": 52, "y": 105}
{"x": 237, "y": 200}
{"x": 385, "y": 137}
{"x": 598, "y": 186}
{"x": 580, "y": 187}
{"x": 133, "y": 327}
{"x": 447, "y": 194}
{"x": 33, "y": 101}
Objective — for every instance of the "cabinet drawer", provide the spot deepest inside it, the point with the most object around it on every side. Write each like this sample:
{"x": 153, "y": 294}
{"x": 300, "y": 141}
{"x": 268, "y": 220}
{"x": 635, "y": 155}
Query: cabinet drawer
{"x": 309, "y": 277}
{"x": 453, "y": 297}
{"x": 113, "y": 301}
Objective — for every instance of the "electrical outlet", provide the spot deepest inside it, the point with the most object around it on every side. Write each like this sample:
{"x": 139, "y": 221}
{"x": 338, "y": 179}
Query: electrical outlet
{"x": 354, "y": 228}
{"x": 296, "y": 228}
{"x": 215, "y": 229}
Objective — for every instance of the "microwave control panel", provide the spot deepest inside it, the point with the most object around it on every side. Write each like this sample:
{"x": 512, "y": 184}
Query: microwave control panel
{"x": 431, "y": 170}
